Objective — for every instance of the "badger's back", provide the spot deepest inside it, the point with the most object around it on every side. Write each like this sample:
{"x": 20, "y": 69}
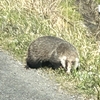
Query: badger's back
{"x": 47, "y": 44}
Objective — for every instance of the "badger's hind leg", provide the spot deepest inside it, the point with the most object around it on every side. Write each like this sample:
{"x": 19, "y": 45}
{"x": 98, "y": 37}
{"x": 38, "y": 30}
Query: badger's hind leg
{"x": 32, "y": 63}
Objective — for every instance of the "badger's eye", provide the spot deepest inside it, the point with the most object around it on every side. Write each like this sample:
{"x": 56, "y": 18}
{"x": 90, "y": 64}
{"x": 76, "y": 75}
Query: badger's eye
{"x": 73, "y": 62}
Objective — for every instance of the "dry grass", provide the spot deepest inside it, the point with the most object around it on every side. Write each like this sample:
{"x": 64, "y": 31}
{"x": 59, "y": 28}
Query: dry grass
{"x": 22, "y": 21}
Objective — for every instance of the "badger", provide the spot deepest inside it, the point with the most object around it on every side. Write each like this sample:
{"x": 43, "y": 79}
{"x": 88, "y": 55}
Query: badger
{"x": 54, "y": 52}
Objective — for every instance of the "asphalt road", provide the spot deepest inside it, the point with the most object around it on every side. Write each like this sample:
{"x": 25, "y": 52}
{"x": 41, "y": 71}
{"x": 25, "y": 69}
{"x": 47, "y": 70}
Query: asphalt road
{"x": 17, "y": 83}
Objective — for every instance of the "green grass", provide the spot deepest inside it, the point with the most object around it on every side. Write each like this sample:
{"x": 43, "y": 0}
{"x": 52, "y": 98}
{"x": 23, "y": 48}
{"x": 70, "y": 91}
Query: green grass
{"x": 23, "y": 21}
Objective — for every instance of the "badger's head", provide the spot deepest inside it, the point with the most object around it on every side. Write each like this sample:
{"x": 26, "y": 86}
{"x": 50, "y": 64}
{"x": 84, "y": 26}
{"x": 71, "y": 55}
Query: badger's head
{"x": 69, "y": 62}
{"x": 68, "y": 56}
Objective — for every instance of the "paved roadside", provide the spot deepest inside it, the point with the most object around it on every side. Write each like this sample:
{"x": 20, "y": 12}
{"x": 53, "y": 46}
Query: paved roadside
{"x": 17, "y": 83}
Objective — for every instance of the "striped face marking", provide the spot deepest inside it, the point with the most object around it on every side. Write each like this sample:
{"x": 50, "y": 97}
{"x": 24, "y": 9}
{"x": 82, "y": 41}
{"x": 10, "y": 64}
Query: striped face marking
{"x": 68, "y": 67}
{"x": 63, "y": 61}
{"x": 76, "y": 63}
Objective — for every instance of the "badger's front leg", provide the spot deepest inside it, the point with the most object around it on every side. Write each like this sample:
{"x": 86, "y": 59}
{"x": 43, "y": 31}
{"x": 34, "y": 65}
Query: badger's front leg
{"x": 66, "y": 65}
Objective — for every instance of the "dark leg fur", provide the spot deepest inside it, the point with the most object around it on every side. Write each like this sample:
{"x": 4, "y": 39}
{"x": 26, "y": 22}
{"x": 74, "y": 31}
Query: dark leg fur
{"x": 37, "y": 64}
{"x": 33, "y": 64}
{"x": 55, "y": 65}
{"x": 46, "y": 63}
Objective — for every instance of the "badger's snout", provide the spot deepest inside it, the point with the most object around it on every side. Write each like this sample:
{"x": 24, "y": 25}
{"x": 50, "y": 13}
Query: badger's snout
{"x": 68, "y": 65}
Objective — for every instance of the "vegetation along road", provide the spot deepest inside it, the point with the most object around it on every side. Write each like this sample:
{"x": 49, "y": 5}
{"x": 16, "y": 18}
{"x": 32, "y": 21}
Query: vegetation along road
{"x": 23, "y": 21}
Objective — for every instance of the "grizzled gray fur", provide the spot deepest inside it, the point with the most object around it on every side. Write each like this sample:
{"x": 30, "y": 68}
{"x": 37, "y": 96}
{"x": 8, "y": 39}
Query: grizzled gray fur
{"x": 52, "y": 51}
